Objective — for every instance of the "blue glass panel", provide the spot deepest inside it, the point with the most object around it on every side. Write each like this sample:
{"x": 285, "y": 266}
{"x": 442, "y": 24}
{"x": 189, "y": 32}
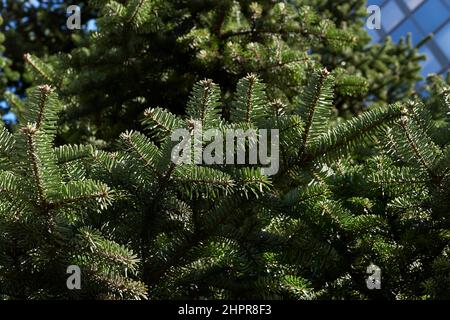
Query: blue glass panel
{"x": 91, "y": 25}
{"x": 376, "y": 2}
{"x": 9, "y": 118}
{"x": 404, "y": 28}
{"x": 431, "y": 65}
{"x": 375, "y": 35}
{"x": 443, "y": 40}
{"x": 431, "y": 15}
{"x": 391, "y": 15}
{"x": 4, "y": 105}
{"x": 412, "y": 4}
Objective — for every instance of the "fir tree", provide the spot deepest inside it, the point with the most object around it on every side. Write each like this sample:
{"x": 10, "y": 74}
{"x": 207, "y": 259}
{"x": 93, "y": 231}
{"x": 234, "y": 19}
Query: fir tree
{"x": 144, "y": 51}
{"x": 415, "y": 180}
{"x": 227, "y": 231}
{"x": 372, "y": 189}
{"x": 6, "y": 72}
{"x": 37, "y": 27}
{"x": 47, "y": 217}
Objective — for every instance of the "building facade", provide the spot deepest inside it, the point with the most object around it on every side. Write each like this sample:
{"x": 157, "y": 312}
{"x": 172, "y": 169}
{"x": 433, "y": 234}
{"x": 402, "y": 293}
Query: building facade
{"x": 420, "y": 18}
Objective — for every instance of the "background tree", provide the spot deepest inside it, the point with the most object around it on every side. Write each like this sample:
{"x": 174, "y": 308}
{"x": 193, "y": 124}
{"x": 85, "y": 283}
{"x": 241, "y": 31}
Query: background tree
{"x": 144, "y": 51}
{"x": 6, "y": 73}
{"x": 46, "y": 212}
{"x": 37, "y": 27}
{"x": 369, "y": 189}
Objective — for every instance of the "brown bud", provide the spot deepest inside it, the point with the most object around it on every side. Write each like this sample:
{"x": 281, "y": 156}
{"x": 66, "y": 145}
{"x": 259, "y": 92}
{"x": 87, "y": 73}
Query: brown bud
{"x": 30, "y": 129}
{"x": 191, "y": 124}
{"x": 45, "y": 88}
{"x": 325, "y": 72}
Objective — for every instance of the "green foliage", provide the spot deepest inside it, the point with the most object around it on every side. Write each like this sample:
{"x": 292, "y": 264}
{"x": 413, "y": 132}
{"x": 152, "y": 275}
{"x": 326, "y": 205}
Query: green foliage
{"x": 141, "y": 225}
{"x": 348, "y": 193}
{"x": 6, "y": 71}
{"x": 47, "y": 214}
{"x": 37, "y": 29}
{"x": 419, "y": 149}
{"x": 146, "y": 51}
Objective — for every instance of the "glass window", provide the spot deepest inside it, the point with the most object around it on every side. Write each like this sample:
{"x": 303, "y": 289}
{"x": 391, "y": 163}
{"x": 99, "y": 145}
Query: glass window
{"x": 431, "y": 64}
{"x": 4, "y": 105}
{"x": 407, "y": 26}
{"x": 374, "y": 35}
{"x": 9, "y": 118}
{"x": 431, "y": 15}
{"x": 442, "y": 39}
{"x": 376, "y": 2}
{"x": 391, "y": 15}
{"x": 91, "y": 25}
{"x": 412, "y": 4}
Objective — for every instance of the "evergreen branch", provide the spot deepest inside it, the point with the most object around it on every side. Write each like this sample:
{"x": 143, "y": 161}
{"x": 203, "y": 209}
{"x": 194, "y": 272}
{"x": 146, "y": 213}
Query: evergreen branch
{"x": 30, "y": 133}
{"x": 45, "y": 90}
{"x": 403, "y": 123}
{"x": 280, "y": 64}
{"x": 314, "y": 106}
{"x": 178, "y": 253}
{"x": 119, "y": 287}
{"x": 333, "y": 35}
{"x": 69, "y": 153}
{"x": 201, "y": 180}
{"x": 42, "y": 69}
{"x": 42, "y": 108}
{"x": 346, "y": 135}
{"x": 11, "y": 184}
{"x": 401, "y": 175}
{"x": 204, "y": 104}
{"x": 81, "y": 191}
{"x": 161, "y": 122}
{"x": 444, "y": 162}
{"x": 145, "y": 150}
{"x": 107, "y": 249}
{"x": 303, "y": 194}
{"x": 137, "y": 6}
{"x": 6, "y": 142}
{"x": 251, "y": 180}
{"x": 105, "y": 159}
{"x": 250, "y": 102}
